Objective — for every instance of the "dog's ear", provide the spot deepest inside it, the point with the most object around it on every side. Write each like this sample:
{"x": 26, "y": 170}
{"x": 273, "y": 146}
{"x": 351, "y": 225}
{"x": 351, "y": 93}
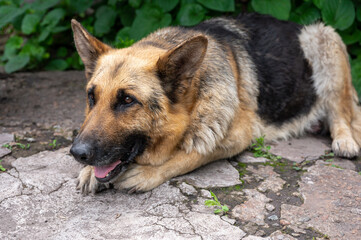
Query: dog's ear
{"x": 89, "y": 48}
{"x": 177, "y": 67}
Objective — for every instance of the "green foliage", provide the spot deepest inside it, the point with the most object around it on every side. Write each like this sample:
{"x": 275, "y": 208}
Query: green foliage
{"x": 19, "y": 145}
{"x": 277, "y": 8}
{"x": 215, "y": 202}
{"x": 53, "y": 144}
{"x": 40, "y": 28}
{"x": 259, "y": 149}
{"x": 1, "y": 166}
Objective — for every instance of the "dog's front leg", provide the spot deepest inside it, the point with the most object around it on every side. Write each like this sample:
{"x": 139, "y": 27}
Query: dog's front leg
{"x": 87, "y": 183}
{"x": 146, "y": 177}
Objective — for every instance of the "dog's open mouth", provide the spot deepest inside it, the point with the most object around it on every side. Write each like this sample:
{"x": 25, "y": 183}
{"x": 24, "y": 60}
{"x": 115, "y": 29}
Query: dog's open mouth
{"x": 106, "y": 173}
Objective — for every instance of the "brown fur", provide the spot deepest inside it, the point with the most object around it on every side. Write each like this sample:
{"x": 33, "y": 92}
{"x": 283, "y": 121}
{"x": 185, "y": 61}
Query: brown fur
{"x": 188, "y": 124}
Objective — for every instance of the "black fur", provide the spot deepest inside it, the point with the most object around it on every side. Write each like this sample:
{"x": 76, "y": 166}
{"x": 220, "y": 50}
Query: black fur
{"x": 285, "y": 86}
{"x": 284, "y": 75}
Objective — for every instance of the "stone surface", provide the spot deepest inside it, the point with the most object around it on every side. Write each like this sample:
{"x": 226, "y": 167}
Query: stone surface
{"x": 253, "y": 210}
{"x": 270, "y": 207}
{"x": 301, "y": 149}
{"x": 271, "y": 180}
{"x": 272, "y": 183}
{"x": 4, "y": 151}
{"x": 278, "y": 235}
{"x": 342, "y": 163}
{"x": 39, "y": 200}
{"x": 205, "y": 194}
{"x": 49, "y": 174}
{"x": 44, "y": 99}
{"x": 6, "y": 138}
{"x": 217, "y": 174}
{"x": 332, "y": 203}
{"x": 248, "y": 157}
{"x": 10, "y": 185}
{"x": 187, "y": 189}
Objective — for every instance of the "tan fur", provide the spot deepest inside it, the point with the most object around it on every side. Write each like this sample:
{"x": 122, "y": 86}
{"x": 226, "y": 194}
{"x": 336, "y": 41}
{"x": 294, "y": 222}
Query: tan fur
{"x": 201, "y": 127}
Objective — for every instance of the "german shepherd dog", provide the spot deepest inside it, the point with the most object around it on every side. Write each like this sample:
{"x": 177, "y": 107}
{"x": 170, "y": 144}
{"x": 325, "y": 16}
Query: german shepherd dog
{"x": 183, "y": 97}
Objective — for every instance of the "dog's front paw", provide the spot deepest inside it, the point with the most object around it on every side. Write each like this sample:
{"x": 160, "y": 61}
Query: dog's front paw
{"x": 140, "y": 178}
{"x": 345, "y": 147}
{"x": 87, "y": 183}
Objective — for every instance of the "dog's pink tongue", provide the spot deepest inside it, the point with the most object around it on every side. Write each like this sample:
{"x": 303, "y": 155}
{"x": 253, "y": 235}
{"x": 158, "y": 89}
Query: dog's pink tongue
{"x": 101, "y": 172}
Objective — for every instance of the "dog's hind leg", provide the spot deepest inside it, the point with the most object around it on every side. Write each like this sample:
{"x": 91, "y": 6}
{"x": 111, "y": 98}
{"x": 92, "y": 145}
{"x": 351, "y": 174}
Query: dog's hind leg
{"x": 326, "y": 53}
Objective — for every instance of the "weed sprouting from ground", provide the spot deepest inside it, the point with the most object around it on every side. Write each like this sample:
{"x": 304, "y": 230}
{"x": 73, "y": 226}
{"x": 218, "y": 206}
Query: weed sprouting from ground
{"x": 53, "y": 144}
{"x": 20, "y": 145}
{"x": 1, "y": 167}
{"x": 215, "y": 202}
{"x": 259, "y": 149}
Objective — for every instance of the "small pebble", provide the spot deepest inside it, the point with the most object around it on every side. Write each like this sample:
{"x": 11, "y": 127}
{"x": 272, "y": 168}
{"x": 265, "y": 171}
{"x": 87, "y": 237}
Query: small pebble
{"x": 205, "y": 193}
{"x": 270, "y": 207}
{"x": 273, "y": 217}
{"x": 284, "y": 222}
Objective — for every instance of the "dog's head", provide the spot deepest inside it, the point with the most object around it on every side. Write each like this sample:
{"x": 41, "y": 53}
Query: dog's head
{"x": 138, "y": 98}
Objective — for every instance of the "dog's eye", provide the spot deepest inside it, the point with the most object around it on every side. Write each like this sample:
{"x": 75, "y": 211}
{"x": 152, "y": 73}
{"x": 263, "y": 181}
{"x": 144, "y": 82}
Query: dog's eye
{"x": 124, "y": 101}
{"x": 128, "y": 100}
{"x": 91, "y": 98}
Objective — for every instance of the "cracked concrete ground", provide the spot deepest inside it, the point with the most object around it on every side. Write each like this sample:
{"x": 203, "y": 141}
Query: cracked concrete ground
{"x": 309, "y": 194}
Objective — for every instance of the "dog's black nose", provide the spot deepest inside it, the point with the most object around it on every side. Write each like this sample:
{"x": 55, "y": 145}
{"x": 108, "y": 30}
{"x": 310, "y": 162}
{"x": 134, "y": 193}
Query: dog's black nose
{"x": 82, "y": 152}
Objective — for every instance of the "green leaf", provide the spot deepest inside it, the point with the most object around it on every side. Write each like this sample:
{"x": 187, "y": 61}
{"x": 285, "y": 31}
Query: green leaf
{"x": 210, "y": 203}
{"x": 318, "y": 3}
{"x": 105, "y": 18}
{"x": 112, "y": 2}
{"x": 225, "y": 208}
{"x": 214, "y": 197}
{"x": 135, "y": 3}
{"x": 305, "y": 14}
{"x": 44, "y": 34}
{"x": 57, "y": 65}
{"x": 337, "y": 13}
{"x": 277, "y": 8}
{"x": 190, "y": 14}
{"x": 217, "y": 211}
{"x": 12, "y": 45}
{"x": 9, "y": 13}
{"x": 354, "y": 49}
{"x": 79, "y": 6}
{"x": 75, "y": 62}
{"x": 42, "y": 5}
{"x": 58, "y": 29}
{"x": 16, "y": 63}
{"x": 358, "y": 13}
{"x": 218, "y": 5}
{"x": 34, "y": 50}
{"x": 166, "y": 5}
{"x": 356, "y": 74}
{"x": 127, "y": 15}
{"x": 148, "y": 19}
{"x": 350, "y": 38}
{"x": 29, "y": 23}
{"x": 52, "y": 18}
{"x": 62, "y": 52}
